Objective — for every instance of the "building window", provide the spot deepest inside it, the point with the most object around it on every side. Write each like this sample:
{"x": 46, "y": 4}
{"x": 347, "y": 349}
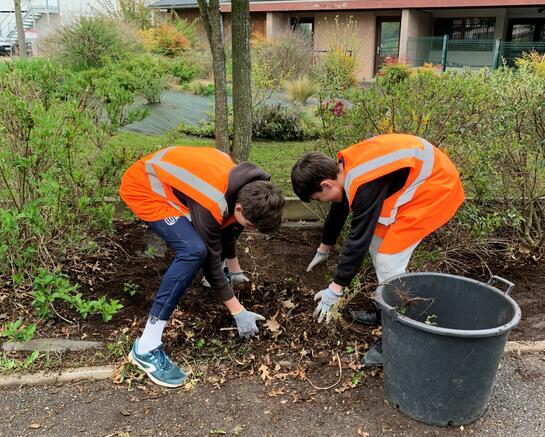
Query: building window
{"x": 305, "y": 28}
{"x": 526, "y": 30}
{"x": 465, "y": 28}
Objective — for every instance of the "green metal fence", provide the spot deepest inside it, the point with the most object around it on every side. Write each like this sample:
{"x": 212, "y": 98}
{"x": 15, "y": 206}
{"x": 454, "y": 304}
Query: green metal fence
{"x": 467, "y": 53}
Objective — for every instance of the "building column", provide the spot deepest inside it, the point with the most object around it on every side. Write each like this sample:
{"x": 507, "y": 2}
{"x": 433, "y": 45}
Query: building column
{"x": 404, "y": 33}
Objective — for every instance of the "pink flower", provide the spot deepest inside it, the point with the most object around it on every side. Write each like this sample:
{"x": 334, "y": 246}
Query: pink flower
{"x": 338, "y": 109}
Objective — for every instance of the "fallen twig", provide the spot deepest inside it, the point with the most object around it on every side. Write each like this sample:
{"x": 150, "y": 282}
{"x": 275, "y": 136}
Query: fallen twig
{"x": 333, "y": 385}
{"x": 58, "y": 315}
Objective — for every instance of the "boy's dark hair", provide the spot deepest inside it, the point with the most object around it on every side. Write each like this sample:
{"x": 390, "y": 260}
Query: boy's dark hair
{"x": 309, "y": 172}
{"x": 262, "y": 204}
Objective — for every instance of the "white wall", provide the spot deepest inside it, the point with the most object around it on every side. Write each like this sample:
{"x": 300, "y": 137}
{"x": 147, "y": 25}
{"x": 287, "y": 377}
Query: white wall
{"x": 67, "y": 7}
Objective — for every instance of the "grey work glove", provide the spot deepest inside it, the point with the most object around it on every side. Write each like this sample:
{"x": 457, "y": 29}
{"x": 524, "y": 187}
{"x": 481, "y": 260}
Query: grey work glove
{"x": 246, "y": 323}
{"x": 319, "y": 258}
{"x": 327, "y": 299}
{"x": 238, "y": 278}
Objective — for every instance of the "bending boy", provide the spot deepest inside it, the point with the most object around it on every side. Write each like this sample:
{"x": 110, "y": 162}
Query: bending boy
{"x": 199, "y": 202}
{"x": 399, "y": 188}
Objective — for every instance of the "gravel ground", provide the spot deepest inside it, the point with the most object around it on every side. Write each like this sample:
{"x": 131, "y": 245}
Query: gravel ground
{"x": 517, "y": 407}
{"x": 245, "y": 407}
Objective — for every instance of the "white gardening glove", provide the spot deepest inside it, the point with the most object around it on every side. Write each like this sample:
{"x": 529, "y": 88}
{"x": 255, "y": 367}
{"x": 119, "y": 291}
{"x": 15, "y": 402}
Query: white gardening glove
{"x": 328, "y": 298}
{"x": 319, "y": 258}
{"x": 238, "y": 278}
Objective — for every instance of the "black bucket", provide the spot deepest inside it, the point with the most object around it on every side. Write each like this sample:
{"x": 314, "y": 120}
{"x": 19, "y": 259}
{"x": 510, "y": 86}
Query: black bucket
{"x": 441, "y": 356}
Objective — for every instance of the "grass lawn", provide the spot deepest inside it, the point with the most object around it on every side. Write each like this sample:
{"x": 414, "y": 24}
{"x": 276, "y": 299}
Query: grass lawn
{"x": 273, "y": 156}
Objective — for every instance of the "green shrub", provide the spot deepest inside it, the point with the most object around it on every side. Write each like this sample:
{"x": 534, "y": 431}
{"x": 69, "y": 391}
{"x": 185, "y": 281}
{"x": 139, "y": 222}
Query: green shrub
{"x": 204, "y": 129}
{"x": 149, "y": 75}
{"x": 488, "y": 122}
{"x": 275, "y": 61}
{"x": 337, "y": 67}
{"x": 55, "y": 160}
{"x": 337, "y": 71}
{"x": 393, "y": 74}
{"x": 301, "y": 89}
{"x": 277, "y": 122}
{"x": 201, "y": 88}
{"x": 189, "y": 30}
{"x": 184, "y": 69}
{"x": 91, "y": 42}
{"x": 136, "y": 13}
{"x": 165, "y": 40}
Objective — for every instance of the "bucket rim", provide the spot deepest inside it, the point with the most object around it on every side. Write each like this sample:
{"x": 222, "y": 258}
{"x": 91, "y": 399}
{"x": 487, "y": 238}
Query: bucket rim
{"x": 467, "y": 333}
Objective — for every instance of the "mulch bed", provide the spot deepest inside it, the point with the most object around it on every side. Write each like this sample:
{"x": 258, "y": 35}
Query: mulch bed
{"x": 291, "y": 343}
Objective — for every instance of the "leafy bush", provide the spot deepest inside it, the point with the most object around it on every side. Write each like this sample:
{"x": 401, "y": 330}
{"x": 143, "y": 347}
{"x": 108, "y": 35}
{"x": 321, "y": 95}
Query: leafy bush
{"x": 337, "y": 68}
{"x": 277, "y": 122}
{"x": 337, "y": 71}
{"x": 184, "y": 68}
{"x": 393, "y": 74}
{"x": 201, "y": 88}
{"x": 488, "y": 122}
{"x": 55, "y": 161}
{"x": 91, "y": 42}
{"x": 189, "y": 30}
{"x": 145, "y": 75}
{"x": 205, "y": 129}
{"x": 165, "y": 40}
{"x": 275, "y": 61}
{"x": 136, "y": 13}
{"x": 301, "y": 89}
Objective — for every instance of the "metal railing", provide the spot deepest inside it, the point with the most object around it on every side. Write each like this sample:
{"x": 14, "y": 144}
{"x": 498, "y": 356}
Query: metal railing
{"x": 451, "y": 53}
{"x": 30, "y": 10}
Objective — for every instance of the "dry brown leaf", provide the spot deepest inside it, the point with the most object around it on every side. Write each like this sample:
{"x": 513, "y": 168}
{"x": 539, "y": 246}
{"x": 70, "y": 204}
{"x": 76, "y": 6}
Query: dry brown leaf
{"x": 264, "y": 372}
{"x": 272, "y": 324}
{"x": 362, "y": 432}
{"x": 288, "y": 304}
{"x": 354, "y": 366}
{"x": 276, "y": 392}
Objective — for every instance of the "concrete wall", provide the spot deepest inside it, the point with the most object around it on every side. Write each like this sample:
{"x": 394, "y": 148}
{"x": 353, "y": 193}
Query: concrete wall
{"x": 277, "y": 23}
{"x": 414, "y": 24}
{"x": 45, "y": 30}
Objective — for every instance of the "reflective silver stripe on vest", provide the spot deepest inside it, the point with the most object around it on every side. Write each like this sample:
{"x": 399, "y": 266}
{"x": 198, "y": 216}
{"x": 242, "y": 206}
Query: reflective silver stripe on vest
{"x": 185, "y": 176}
{"x": 425, "y": 155}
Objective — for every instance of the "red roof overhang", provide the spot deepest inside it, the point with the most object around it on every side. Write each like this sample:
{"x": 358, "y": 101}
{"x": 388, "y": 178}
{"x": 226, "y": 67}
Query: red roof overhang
{"x": 286, "y": 6}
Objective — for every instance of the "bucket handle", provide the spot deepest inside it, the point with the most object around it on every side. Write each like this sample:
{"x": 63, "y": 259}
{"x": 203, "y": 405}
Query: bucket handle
{"x": 494, "y": 279}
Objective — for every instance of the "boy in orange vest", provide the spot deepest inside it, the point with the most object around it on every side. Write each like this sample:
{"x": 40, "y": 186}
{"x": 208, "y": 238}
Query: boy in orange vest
{"x": 198, "y": 201}
{"x": 399, "y": 188}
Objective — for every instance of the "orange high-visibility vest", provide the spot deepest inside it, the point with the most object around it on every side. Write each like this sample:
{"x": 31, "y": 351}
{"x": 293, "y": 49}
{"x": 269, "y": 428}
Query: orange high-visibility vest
{"x": 430, "y": 197}
{"x": 201, "y": 173}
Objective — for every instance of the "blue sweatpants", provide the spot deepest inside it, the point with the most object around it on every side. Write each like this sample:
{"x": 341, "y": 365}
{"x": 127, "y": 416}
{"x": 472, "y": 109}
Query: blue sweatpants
{"x": 191, "y": 252}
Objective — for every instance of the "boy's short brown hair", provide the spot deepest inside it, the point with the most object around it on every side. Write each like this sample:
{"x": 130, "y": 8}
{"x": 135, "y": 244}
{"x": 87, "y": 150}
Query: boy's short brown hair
{"x": 309, "y": 172}
{"x": 262, "y": 204}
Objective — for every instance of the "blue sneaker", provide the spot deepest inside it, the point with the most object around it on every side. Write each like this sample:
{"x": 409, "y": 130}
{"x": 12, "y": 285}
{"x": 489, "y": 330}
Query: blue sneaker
{"x": 158, "y": 366}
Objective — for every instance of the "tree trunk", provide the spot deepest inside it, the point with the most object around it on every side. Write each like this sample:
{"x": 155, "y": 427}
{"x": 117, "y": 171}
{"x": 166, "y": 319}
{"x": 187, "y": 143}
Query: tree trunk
{"x": 20, "y": 29}
{"x": 212, "y": 20}
{"x": 242, "y": 87}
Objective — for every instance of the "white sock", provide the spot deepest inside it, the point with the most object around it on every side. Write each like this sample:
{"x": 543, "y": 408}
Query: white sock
{"x": 151, "y": 337}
